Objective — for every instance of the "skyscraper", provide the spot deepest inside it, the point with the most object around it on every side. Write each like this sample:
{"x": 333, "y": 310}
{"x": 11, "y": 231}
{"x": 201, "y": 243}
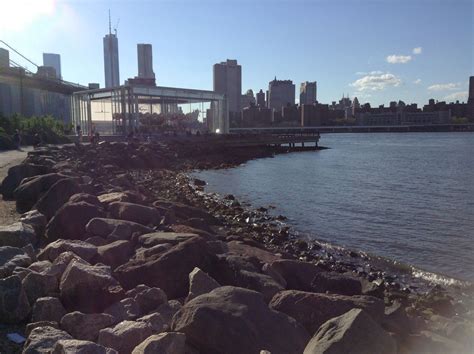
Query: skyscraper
{"x": 280, "y": 94}
{"x": 308, "y": 92}
{"x": 227, "y": 79}
{"x": 145, "y": 61}
{"x": 111, "y": 59}
{"x": 470, "y": 99}
{"x": 261, "y": 98}
{"x": 53, "y": 61}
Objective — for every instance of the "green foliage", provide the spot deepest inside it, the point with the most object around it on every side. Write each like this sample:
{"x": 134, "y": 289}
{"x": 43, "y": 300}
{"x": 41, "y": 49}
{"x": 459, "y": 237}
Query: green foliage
{"x": 459, "y": 120}
{"x": 48, "y": 128}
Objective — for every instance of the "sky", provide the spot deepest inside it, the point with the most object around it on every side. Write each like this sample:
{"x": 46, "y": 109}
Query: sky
{"x": 376, "y": 50}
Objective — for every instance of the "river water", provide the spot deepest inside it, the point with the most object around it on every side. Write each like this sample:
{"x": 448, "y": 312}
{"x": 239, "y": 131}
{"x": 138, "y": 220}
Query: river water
{"x": 408, "y": 197}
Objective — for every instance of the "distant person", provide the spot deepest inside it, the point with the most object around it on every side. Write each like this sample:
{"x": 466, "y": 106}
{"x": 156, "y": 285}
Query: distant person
{"x": 79, "y": 133}
{"x": 36, "y": 140}
{"x": 17, "y": 139}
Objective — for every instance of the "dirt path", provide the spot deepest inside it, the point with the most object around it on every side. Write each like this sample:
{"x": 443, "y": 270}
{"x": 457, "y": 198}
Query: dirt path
{"x": 8, "y": 159}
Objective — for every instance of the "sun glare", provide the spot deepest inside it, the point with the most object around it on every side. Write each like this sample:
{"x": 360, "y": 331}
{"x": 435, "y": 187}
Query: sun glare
{"x": 17, "y": 15}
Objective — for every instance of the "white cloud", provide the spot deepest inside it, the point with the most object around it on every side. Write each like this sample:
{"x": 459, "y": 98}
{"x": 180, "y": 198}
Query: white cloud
{"x": 376, "y": 82}
{"x": 375, "y": 72}
{"x": 461, "y": 96}
{"x": 398, "y": 59}
{"x": 417, "y": 50}
{"x": 444, "y": 87}
{"x": 417, "y": 81}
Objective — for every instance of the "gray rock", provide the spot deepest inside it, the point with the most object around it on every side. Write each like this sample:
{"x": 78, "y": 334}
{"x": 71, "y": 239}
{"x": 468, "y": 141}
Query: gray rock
{"x": 155, "y": 321}
{"x": 56, "y": 196}
{"x": 16, "y": 174}
{"x": 149, "y": 299}
{"x": 163, "y": 343}
{"x": 125, "y": 336}
{"x": 38, "y": 285}
{"x": 336, "y": 283}
{"x": 43, "y": 340}
{"x": 36, "y": 220}
{"x": 71, "y": 219}
{"x": 66, "y": 346}
{"x": 236, "y": 320}
{"x": 200, "y": 283}
{"x": 87, "y": 288}
{"x": 83, "y": 249}
{"x": 86, "y": 326}
{"x": 31, "y": 326}
{"x": 125, "y": 309}
{"x": 168, "y": 310}
{"x": 10, "y": 258}
{"x": 168, "y": 271}
{"x": 158, "y": 238}
{"x": 351, "y": 333}
{"x": 312, "y": 309}
{"x": 115, "y": 254}
{"x": 14, "y": 306}
{"x": 135, "y": 212}
{"x": 30, "y": 190}
{"x": 48, "y": 309}
{"x": 121, "y": 228}
{"x": 17, "y": 235}
{"x": 296, "y": 275}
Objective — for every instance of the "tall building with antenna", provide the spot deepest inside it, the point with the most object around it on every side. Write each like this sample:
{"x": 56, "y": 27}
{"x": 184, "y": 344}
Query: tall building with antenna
{"x": 111, "y": 58}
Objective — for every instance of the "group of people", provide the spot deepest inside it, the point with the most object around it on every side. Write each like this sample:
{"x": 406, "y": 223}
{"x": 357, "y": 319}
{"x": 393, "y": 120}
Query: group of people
{"x": 94, "y": 135}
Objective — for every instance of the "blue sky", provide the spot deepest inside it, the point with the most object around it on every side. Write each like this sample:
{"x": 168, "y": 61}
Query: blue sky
{"x": 358, "y": 47}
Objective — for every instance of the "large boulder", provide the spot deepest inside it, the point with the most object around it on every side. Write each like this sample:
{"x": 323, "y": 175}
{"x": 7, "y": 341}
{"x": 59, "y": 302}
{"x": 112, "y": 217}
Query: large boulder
{"x": 235, "y": 320}
{"x": 16, "y": 174}
{"x": 38, "y": 285}
{"x": 10, "y": 258}
{"x": 56, "y": 196}
{"x": 36, "y": 220}
{"x": 163, "y": 343}
{"x": 48, "y": 309}
{"x": 71, "y": 219}
{"x": 336, "y": 283}
{"x": 312, "y": 310}
{"x": 115, "y": 253}
{"x": 125, "y": 336}
{"x": 148, "y": 299}
{"x": 159, "y": 238}
{"x": 125, "y": 309}
{"x": 240, "y": 272}
{"x": 200, "y": 283}
{"x": 66, "y": 346}
{"x": 43, "y": 339}
{"x": 258, "y": 254}
{"x": 89, "y": 289}
{"x": 83, "y": 249}
{"x": 352, "y": 332}
{"x": 30, "y": 190}
{"x": 169, "y": 270}
{"x": 17, "y": 235}
{"x": 135, "y": 212}
{"x": 121, "y": 228}
{"x": 86, "y": 326}
{"x": 297, "y": 275}
{"x": 14, "y": 306}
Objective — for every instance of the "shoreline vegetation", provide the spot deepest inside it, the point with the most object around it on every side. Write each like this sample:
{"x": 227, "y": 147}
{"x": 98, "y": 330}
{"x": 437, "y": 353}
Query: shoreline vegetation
{"x": 118, "y": 247}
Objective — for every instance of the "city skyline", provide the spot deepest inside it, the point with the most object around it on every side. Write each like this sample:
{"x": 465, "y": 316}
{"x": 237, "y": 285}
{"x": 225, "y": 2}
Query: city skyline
{"x": 412, "y": 68}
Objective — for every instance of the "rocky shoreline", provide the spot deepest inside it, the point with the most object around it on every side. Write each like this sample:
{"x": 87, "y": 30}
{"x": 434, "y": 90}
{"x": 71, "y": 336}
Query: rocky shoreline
{"x": 119, "y": 250}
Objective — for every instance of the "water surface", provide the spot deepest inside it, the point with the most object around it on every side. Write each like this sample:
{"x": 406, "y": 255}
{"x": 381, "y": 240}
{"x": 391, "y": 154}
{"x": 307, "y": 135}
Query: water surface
{"x": 408, "y": 197}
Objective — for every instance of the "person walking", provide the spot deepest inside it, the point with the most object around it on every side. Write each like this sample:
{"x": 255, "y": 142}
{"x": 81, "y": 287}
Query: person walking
{"x": 79, "y": 133}
{"x": 17, "y": 139}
